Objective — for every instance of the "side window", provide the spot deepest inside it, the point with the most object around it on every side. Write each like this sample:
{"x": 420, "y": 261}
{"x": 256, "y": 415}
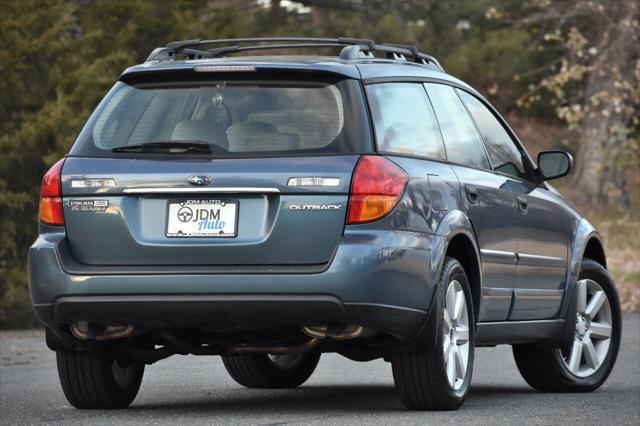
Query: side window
{"x": 503, "y": 152}
{"x": 404, "y": 120}
{"x": 461, "y": 139}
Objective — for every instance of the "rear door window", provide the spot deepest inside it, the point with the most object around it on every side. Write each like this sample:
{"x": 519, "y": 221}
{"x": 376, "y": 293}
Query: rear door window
{"x": 404, "y": 120}
{"x": 503, "y": 153}
{"x": 235, "y": 118}
{"x": 461, "y": 139}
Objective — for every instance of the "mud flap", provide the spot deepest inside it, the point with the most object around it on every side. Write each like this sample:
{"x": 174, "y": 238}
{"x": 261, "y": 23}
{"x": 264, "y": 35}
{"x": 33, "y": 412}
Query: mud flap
{"x": 427, "y": 337}
{"x": 565, "y": 339}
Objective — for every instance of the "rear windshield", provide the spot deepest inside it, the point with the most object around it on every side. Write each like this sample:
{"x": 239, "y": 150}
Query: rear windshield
{"x": 235, "y": 118}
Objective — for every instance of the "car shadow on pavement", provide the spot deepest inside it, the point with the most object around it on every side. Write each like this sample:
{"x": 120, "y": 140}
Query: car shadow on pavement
{"x": 494, "y": 390}
{"x": 309, "y": 398}
{"x": 301, "y": 399}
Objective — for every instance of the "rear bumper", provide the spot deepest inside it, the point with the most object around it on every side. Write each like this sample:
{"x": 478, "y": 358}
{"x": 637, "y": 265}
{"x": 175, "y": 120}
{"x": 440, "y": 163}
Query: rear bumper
{"x": 382, "y": 279}
{"x": 256, "y": 311}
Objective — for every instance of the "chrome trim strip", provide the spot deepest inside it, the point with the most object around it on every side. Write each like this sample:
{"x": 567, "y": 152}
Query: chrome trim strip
{"x": 543, "y": 261}
{"x": 497, "y": 256}
{"x": 221, "y": 190}
{"x": 537, "y": 294}
{"x": 522, "y": 259}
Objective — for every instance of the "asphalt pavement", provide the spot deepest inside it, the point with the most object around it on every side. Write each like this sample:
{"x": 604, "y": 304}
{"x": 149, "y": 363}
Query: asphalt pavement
{"x": 197, "y": 390}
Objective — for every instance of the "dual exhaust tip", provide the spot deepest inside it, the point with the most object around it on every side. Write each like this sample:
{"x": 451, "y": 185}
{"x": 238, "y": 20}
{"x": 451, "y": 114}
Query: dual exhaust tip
{"x": 333, "y": 331}
{"x": 88, "y": 331}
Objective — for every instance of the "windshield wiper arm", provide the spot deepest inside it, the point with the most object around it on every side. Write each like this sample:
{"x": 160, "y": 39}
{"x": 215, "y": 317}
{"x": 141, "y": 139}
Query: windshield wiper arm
{"x": 172, "y": 147}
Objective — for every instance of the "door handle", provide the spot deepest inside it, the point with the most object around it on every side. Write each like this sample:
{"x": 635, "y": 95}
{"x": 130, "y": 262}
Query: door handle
{"x": 523, "y": 203}
{"x": 472, "y": 193}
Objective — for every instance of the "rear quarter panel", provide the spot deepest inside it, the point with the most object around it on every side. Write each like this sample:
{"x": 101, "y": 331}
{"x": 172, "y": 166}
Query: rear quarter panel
{"x": 432, "y": 191}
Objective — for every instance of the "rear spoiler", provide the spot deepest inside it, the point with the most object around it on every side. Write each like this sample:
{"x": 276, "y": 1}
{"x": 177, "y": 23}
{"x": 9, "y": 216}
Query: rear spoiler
{"x": 216, "y": 71}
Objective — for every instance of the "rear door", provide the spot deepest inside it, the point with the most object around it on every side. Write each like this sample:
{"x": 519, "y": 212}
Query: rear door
{"x": 271, "y": 191}
{"x": 486, "y": 198}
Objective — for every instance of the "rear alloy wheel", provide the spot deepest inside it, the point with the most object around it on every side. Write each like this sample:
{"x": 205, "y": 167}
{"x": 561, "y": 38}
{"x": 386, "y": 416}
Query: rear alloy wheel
{"x": 585, "y": 364}
{"x": 439, "y": 380}
{"x": 263, "y": 371}
{"x": 455, "y": 342}
{"x": 96, "y": 380}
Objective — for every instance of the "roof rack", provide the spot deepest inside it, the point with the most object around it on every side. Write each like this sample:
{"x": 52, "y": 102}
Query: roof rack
{"x": 352, "y": 48}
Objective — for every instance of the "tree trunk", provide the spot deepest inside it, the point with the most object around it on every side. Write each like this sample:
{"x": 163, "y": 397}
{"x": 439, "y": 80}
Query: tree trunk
{"x": 599, "y": 177}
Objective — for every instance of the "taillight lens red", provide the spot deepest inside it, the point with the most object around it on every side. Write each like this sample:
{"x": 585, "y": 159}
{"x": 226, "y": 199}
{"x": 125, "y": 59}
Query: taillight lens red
{"x": 377, "y": 186}
{"x": 51, "y": 196}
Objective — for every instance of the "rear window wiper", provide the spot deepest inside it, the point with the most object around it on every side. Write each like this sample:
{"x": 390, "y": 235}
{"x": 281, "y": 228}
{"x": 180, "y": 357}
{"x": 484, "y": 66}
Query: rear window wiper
{"x": 170, "y": 147}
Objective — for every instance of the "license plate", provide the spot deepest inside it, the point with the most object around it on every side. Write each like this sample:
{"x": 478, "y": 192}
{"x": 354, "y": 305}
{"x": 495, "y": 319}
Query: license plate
{"x": 202, "y": 219}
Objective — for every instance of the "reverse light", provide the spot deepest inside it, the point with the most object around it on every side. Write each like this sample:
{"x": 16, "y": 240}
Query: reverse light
{"x": 93, "y": 183}
{"x": 377, "y": 186}
{"x": 51, "y": 196}
{"x": 313, "y": 181}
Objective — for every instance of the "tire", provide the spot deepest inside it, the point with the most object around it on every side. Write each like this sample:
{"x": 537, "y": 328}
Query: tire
{"x": 262, "y": 371}
{"x": 421, "y": 378}
{"x": 95, "y": 380}
{"x": 550, "y": 369}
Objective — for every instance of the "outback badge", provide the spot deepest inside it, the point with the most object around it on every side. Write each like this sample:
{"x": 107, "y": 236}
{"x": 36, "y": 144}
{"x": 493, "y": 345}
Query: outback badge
{"x": 317, "y": 207}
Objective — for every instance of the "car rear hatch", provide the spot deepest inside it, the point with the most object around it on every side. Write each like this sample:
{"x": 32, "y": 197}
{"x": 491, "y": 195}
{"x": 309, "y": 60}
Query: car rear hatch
{"x": 270, "y": 187}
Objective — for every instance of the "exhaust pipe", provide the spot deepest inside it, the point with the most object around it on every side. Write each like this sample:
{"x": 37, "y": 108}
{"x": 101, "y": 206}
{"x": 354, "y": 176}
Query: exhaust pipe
{"x": 333, "y": 331}
{"x": 87, "y": 331}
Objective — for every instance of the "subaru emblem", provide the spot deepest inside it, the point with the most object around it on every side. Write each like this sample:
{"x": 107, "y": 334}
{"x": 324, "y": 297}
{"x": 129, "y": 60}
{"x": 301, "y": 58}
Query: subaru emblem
{"x": 199, "y": 180}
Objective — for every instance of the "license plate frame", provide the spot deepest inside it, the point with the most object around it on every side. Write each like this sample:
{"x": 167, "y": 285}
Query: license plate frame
{"x": 180, "y": 228}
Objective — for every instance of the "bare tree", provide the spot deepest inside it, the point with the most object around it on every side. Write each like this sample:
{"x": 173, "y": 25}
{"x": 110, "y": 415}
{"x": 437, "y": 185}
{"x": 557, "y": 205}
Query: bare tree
{"x": 596, "y": 88}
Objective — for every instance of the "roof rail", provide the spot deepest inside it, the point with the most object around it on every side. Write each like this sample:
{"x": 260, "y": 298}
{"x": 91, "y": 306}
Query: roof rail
{"x": 352, "y": 48}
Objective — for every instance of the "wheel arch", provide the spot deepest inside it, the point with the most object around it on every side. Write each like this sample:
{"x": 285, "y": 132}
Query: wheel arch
{"x": 456, "y": 238}
{"x": 594, "y": 250}
{"x": 461, "y": 248}
{"x": 586, "y": 243}
{"x": 461, "y": 244}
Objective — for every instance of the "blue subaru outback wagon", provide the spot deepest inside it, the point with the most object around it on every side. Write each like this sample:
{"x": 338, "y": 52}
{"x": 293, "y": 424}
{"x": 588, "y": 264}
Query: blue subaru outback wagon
{"x": 269, "y": 209}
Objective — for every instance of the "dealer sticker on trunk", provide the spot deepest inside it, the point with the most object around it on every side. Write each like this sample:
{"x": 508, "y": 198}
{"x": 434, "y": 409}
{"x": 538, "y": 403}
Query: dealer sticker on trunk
{"x": 202, "y": 218}
{"x": 87, "y": 205}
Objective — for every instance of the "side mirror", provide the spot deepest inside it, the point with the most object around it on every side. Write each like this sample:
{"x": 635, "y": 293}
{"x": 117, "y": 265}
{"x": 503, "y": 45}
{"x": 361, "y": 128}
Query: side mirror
{"x": 554, "y": 164}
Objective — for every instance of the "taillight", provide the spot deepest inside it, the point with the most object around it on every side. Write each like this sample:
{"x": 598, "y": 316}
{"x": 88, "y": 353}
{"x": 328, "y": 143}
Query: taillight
{"x": 377, "y": 186}
{"x": 51, "y": 196}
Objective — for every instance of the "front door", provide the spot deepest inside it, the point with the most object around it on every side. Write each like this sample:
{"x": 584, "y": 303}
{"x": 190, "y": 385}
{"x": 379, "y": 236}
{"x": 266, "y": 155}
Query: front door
{"x": 543, "y": 225}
